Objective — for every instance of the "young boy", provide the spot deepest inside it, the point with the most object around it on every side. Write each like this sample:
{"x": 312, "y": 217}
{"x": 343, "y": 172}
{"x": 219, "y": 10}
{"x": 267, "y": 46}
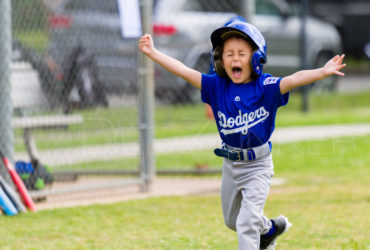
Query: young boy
{"x": 244, "y": 102}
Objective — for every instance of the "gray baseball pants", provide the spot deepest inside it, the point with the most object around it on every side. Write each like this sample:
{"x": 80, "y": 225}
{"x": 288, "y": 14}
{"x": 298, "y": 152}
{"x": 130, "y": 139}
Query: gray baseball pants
{"x": 244, "y": 189}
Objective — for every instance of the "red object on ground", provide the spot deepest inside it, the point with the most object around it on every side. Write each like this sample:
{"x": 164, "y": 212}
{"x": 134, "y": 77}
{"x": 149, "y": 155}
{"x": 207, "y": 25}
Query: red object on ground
{"x": 20, "y": 185}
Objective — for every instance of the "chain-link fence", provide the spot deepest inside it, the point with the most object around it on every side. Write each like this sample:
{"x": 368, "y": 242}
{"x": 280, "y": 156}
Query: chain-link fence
{"x": 72, "y": 68}
{"x": 75, "y": 98}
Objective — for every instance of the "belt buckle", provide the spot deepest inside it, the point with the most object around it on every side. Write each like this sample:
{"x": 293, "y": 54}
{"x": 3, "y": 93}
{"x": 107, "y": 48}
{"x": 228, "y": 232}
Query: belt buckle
{"x": 237, "y": 153}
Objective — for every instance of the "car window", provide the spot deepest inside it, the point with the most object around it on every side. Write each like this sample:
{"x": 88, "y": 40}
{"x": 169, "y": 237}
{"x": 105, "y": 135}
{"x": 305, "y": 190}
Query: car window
{"x": 106, "y": 6}
{"x": 212, "y": 5}
{"x": 266, "y": 7}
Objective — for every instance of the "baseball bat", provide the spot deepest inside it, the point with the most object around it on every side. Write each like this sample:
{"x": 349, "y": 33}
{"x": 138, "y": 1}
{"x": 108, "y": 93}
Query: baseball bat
{"x": 13, "y": 196}
{"x": 6, "y": 204}
{"x": 19, "y": 184}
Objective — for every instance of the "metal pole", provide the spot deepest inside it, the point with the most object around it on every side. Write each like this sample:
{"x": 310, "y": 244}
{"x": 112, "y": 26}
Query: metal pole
{"x": 146, "y": 103}
{"x": 6, "y": 109}
{"x": 304, "y": 89}
{"x": 248, "y": 10}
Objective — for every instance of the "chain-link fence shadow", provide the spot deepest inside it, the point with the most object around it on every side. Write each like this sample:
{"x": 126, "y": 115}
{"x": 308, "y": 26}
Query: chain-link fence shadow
{"x": 74, "y": 95}
{"x": 75, "y": 77}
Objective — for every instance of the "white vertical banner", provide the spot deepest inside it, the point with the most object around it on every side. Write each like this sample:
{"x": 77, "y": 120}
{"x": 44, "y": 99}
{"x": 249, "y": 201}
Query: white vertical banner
{"x": 129, "y": 12}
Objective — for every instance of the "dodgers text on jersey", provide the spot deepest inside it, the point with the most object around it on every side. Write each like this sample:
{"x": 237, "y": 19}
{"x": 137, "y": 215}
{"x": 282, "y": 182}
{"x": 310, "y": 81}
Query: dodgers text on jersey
{"x": 242, "y": 122}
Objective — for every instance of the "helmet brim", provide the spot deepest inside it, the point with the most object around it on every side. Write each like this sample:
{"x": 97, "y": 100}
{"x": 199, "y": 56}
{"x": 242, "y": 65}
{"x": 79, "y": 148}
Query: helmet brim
{"x": 219, "y": 36}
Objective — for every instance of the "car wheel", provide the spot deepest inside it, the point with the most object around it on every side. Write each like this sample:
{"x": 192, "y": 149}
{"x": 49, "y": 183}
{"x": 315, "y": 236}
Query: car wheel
{"x": 190, "y": 93}
{"x": 185, "y": 92}
{"x": 203, "y": 64}
{"x": 328, "y": 84}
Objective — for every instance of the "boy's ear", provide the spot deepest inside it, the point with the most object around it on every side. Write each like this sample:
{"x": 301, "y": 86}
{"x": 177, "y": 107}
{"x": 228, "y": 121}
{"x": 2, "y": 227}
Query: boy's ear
{"x": 218, "y": 64}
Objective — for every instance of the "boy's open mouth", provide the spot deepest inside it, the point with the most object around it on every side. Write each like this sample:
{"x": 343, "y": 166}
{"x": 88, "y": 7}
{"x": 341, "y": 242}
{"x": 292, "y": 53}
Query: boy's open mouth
{"x": 237, "y": 71}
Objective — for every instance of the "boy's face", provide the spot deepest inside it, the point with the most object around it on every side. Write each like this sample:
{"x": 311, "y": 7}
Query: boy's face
{"x": 236, "y": 58}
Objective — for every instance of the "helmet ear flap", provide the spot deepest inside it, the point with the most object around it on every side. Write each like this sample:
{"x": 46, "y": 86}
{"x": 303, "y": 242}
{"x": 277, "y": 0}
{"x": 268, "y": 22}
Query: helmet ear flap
{"x": 257, "y": 62}
{"x": 217, "y": 62}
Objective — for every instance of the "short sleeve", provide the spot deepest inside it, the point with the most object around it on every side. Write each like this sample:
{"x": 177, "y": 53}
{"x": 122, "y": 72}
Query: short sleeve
{"x": 208, "y": 90}
{"x": 271, "y": 86}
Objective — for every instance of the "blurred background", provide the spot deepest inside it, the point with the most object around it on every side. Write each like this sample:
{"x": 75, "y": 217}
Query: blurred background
{"x": 52, "y": 34}
{"x": 69, "y": 58}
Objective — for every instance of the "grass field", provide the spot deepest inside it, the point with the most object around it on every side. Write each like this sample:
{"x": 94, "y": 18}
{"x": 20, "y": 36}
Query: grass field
{"x": 326, "y": 196}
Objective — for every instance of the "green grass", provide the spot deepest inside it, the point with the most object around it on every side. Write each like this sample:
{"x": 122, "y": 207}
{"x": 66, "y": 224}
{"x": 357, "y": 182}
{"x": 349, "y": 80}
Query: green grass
{"x": 119, "y": 125}
{"x": 321, "y": 221}
{"x": 326, "y": 196}
{"x": 326, "y": 216}
{"x": 340, "y": 160}
{"x": 329, "y": 108}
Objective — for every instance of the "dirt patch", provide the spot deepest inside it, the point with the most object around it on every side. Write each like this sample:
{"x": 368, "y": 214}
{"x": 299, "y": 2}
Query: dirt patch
{"x": 161, "y": 186}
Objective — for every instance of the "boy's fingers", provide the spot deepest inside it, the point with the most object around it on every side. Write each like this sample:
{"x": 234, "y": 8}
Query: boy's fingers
{"x": 341, "y": 66}
{"x": 338, "y": 68}
{"x": 341, "y": 59}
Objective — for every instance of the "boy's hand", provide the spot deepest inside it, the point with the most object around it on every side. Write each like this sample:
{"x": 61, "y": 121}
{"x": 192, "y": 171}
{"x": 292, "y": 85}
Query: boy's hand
{"x": 333, "y": 66}
{"x": 146, "y": 44}
{"x": 304, "y": 77}
{"x": 169, "y": 63}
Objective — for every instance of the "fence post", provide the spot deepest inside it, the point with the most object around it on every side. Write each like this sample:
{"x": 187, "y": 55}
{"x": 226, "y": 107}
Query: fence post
{"x": 248, "y": 10}
{"x": 146, "y": 103}
{"x": 6, "y": 109}
{"x": 303, "y": 40}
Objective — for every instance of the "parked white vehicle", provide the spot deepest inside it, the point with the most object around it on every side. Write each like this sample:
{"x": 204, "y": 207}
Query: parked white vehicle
{"x": 182, "y": 29}
{"x": 194, "y": 21}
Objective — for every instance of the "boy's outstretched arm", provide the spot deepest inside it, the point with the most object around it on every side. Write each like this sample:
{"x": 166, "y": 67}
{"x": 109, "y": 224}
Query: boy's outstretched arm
{"x": 169, "y": 63}
{"x": 304, "y": 77}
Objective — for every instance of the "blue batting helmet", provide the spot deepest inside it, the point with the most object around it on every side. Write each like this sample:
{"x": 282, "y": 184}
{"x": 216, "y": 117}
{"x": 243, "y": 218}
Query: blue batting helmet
{"x": 243, "y": 30}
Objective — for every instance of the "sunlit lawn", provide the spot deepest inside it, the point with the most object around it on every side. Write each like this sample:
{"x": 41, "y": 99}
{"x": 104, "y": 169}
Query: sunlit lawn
{"x": 326, "y": 196}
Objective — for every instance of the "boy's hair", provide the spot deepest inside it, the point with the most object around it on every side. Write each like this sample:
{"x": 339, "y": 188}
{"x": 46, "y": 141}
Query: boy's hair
{"x": 232, "y": 34}
{"x": 245, "y": 31}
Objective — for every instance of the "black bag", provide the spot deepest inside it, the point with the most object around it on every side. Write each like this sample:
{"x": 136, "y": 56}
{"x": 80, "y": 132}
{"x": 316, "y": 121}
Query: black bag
{"x": 34, "y": 175}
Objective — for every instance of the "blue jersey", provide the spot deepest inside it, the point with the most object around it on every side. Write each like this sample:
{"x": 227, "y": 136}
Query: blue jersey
{"x": 244, "y": 113}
